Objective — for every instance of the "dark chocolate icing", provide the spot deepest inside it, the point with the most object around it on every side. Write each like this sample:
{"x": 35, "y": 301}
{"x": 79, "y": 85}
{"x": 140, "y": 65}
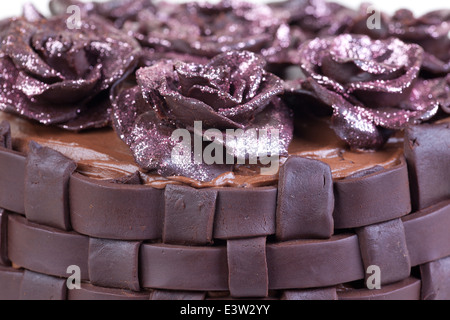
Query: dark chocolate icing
{"x": 102, "y": 155}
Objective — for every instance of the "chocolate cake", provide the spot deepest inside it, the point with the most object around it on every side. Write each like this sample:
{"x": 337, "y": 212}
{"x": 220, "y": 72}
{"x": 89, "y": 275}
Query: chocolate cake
{"x": 339, "y": 191}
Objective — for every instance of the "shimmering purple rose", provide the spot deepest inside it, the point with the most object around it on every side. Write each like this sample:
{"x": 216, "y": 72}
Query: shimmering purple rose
{"x": 231, "y": 91}
{"x": 373, "y": 86}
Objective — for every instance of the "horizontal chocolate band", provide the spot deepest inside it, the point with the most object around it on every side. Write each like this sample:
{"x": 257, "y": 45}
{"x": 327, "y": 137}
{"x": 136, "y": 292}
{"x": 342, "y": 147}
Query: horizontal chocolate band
{"x": 314, "y": 263}
{"x": 115, "y": 211}
{"x": 379, "y": 196}
{"x": 91, "y": 292}
{"x": 44, "y": 249}
{"x": 407, "y": 289}
{"x": 427, "y": 233}
{"x": 191, "y": 268}
{"x": 243, "y": 213}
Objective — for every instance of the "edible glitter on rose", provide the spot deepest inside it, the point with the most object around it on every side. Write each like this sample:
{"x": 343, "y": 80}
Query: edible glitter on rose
{"x": 430, "y": 31}
{"x": 230, "y": 91}
{"x": 60, "y": 76}
{"x": 316, "y": 17}
{"x": 372, "y": 86}
{"x": 116, "y": 11}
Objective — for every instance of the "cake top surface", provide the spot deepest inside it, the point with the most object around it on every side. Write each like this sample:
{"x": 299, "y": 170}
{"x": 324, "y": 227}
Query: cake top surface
{"x": 208, "y": 93}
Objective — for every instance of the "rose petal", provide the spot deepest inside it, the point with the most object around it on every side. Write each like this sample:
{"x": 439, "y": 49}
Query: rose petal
{"x": 187, "y": 110}
{"x": 16, "y": 44}
{"x": 151, "y": 141}
{"x": 215, "y": 98}
{"x": 269, "y": 134}
{"x": 15, "y": 101}
{"x": 269, "y": 88}
{"x": 61, "y": 77}
{"x": 217, "y": 77}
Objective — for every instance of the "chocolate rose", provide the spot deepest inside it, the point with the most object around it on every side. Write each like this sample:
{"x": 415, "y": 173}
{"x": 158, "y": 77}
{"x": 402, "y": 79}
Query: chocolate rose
{"x": 316, "y": 17}
{"x": 430, "y": 31}
{"x": 231, "y": 91}
{"x": 61, "y": 76}
{"x": 207, "y": 29}
{"x": 371, "y": 85}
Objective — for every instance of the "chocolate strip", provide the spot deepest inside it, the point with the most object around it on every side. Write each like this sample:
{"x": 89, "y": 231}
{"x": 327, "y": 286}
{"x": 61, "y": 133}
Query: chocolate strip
{"x": 189, "y": 215}
{"x": 407, "y": 289}
{"x": 242, "y": 214}
{"x": 4, "y": 238}
{"x": 305, "y": 200}
{"x": 436, "y": 279}
{"x": 427, "y": 235}
{"x": 191, "y": 268}
{"x": 384, "y": 245}
{"x": 37, "y": 286}
{"x": 91, "y": 292}
{"x": 115, "y": 211}
{"x": 44, "y": 249}
{"x": 314, "y": 263}
{"x": 46, "y": 187}
{"x": 5, "y": 135}
{"x": 114, "y": 264}
{"x": 12, "y": 173}
{"x": 10, "y": 282}
{"x": 311, "y": 294}
{"x": 247, "y": 266}
{"x": 374, "y": 198}
{"x": 177, "y": 295}
{"x": 427, "y": 152}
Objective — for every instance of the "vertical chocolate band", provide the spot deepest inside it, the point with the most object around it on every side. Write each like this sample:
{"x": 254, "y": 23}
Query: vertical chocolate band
{"x": 12, "y": 173}
{"x": 115, "y": 211}
{"x": 305, "y": 200}
{"x": 427, "y": 152}
{"x": 44, "y": 249}
{"x": 435, "y": 277}
{"x": 384, "y": 245}
{"x": 247, "y": 267}
{"x": 5, "y": 135}
{"x": 36, "y": 286}
{"x": 189, "y": 215}
{"x": 4, "y": 238}
{"x": 46, "y": 187}
{"x": 245, "y": 213}
{"x": 376, "y": 197}
{"x": 114, "y": 264}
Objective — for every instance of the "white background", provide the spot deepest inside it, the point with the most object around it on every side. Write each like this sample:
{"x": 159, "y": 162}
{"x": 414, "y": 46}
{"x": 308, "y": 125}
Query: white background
{"x": 14, "y": 7}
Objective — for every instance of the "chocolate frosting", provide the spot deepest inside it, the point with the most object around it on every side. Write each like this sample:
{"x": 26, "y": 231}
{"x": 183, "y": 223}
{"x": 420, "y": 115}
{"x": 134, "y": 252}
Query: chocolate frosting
{"x": 101, "y": 154}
